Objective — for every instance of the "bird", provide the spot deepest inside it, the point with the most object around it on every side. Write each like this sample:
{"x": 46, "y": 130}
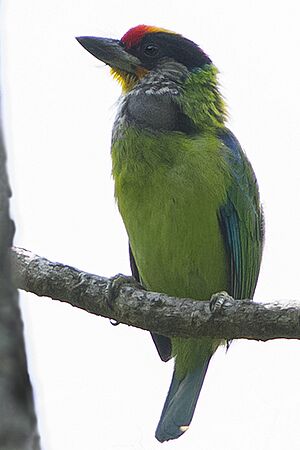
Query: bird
{"x": 186, "y": 191}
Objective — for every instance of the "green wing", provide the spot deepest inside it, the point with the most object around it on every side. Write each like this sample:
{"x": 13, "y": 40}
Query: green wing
{"x": 241, "y": 221}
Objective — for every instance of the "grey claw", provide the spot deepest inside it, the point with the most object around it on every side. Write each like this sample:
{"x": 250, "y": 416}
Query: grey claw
{"x": 113, "y": 287}
{"x": 115, "y": 284}
{"x": 220, "y": 301}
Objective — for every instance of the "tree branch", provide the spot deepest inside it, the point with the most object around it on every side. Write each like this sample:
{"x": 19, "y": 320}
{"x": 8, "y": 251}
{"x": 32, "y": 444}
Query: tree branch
{"x": 153, "y": 311}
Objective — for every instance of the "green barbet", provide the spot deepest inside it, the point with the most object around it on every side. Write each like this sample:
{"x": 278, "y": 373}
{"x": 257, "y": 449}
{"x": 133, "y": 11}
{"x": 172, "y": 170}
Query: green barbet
{"x": 185, "y": 189}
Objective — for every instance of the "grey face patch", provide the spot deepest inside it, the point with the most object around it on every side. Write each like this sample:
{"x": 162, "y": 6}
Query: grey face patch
{"x": 158, "y": 112}
{"x": 153, "y": 103}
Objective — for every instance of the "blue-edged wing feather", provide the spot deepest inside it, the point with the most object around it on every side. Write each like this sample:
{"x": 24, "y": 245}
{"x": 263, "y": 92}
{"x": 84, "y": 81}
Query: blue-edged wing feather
{"x": 241, "y": 220}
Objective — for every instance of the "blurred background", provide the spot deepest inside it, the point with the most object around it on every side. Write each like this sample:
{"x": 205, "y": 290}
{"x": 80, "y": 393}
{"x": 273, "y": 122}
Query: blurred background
{"x": 103, "y": 387}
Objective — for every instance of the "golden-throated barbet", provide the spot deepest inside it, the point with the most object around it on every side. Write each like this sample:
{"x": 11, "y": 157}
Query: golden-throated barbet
{"x": 186, "y": 192}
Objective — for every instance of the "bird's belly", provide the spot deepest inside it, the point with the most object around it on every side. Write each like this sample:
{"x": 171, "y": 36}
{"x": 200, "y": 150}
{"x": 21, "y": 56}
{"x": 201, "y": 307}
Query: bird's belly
{"x": 181, "y": 253}
{"x": 177, "y": 243}
{"x": 169, "y": 198}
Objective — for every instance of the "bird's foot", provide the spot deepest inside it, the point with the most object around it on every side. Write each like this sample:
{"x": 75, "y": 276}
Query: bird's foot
{"x": 114, "y": 285}
{"x": 219, "y": 302}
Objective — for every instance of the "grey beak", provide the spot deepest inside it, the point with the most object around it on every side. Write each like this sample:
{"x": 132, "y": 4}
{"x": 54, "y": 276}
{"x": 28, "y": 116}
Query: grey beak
{"x": 111, "y": 52}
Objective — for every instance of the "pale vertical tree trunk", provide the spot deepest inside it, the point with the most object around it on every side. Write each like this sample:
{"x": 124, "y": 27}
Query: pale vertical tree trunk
{"x": 18, "y": 427}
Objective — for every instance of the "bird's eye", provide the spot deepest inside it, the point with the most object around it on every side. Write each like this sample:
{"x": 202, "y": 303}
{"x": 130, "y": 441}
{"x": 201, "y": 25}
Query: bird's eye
{"x": 151, "y": 50}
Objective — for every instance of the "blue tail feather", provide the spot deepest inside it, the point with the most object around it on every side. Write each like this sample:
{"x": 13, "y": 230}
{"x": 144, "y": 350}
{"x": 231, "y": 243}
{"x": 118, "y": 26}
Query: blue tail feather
{"x": 181, "y": 402}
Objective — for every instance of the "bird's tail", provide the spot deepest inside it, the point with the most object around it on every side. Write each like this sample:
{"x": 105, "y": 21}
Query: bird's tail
{"x": 183, "y": 393}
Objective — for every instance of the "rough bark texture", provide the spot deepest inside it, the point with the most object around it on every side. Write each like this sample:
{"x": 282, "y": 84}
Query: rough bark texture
{"x": 18, "y": 430}
{"x": 152, "y": 311}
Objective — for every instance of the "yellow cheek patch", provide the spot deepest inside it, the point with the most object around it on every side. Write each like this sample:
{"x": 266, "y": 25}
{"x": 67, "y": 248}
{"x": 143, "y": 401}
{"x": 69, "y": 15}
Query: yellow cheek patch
{"x": 128, "y": 80}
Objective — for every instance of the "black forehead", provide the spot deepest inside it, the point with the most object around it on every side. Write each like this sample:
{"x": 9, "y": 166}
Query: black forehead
{"x": 173, "y": 46}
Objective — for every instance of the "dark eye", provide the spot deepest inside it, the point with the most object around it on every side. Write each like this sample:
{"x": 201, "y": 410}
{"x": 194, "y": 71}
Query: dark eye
{"x": 151, "y": 50}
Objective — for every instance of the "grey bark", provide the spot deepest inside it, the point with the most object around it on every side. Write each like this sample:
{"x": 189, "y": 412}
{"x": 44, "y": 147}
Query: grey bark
{"x": 124, "y": 302}
{"x": 18, "y": 427}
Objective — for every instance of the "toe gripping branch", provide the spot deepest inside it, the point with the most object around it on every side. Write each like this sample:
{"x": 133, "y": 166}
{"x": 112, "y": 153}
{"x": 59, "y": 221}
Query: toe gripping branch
{"x": 219, "y": 302}
{"x": 114, "y": 285}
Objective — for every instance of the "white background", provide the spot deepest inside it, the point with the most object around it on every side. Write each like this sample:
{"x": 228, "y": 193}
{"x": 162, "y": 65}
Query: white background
{"x": 103, "y": 387}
